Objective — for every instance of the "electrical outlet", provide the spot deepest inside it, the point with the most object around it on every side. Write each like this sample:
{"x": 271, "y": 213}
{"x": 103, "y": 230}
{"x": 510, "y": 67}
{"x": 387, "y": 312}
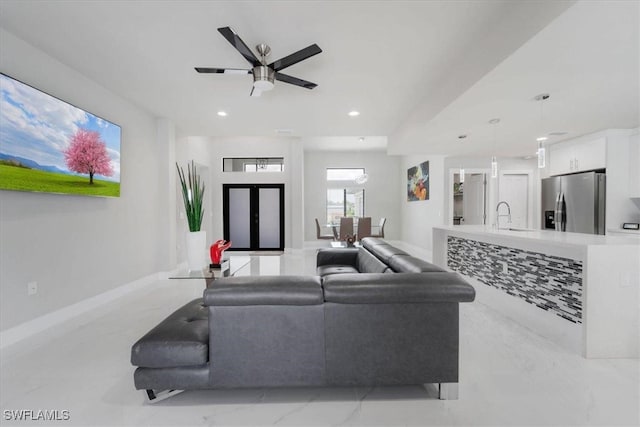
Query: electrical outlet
{"x": 32, "y": 288}
{"x": 505, "y": 268}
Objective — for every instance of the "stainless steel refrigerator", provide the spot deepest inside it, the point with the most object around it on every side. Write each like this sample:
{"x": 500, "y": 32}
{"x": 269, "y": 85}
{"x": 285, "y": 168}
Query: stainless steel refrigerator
{"x": 574, "y": 203}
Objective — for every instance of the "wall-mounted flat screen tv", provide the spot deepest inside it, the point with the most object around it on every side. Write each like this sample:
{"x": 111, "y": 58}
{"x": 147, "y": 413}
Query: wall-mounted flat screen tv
{"x": 48, "y": 145}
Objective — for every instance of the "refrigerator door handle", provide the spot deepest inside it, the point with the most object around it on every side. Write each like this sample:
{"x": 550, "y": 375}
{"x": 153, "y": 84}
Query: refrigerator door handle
{"x": 556, "y": 213}
{"x": 563, "y": 213}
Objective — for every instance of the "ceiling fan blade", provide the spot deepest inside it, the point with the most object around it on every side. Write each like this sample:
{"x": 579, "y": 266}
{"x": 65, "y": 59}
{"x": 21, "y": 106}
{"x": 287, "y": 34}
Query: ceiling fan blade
{"x": 236, "y": 41}
{"x": 222, "y": 70}
{"x": 296, "y": 57}
{"x": 255, "y": 92}
{"x": 295, "y": 81}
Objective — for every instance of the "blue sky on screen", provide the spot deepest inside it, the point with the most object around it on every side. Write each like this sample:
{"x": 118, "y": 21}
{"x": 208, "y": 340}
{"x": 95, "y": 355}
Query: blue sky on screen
{"x": 39, "y": 127}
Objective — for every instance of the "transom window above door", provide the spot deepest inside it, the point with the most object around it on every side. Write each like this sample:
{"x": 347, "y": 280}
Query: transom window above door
{"x": 344, "y": 174}
{"x": 253, "y": 164}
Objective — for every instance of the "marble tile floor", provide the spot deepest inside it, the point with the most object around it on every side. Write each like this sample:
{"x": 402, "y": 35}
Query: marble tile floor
{"x": 508, "y": 376}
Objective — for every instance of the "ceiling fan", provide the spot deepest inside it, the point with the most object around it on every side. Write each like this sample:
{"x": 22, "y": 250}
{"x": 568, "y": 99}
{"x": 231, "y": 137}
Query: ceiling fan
{"x": 264, "y": 74}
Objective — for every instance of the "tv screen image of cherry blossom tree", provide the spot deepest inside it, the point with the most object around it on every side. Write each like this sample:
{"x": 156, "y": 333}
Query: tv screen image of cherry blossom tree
{"x": 48, "y": 145}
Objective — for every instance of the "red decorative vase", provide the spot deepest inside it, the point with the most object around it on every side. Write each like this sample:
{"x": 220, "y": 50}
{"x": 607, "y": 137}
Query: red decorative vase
{"x": 216, "y": 252}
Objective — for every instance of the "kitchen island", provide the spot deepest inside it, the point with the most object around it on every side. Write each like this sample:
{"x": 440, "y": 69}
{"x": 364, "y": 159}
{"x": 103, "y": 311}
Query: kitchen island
{"x": 579, "y": 290}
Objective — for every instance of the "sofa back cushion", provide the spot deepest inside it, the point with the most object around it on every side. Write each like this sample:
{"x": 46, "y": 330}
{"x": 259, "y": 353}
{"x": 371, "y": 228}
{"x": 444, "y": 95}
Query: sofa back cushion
{"x": 264, "y": 290}
{"x": 409, "y": 264}
{"x": 367, "y": 263}
{"x": 382, "y": 250}
{"x": 399, "y": 288}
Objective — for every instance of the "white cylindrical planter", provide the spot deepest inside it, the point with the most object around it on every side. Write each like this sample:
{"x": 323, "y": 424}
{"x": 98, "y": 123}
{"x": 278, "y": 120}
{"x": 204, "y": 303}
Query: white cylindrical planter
{"x": 196, "y": 250}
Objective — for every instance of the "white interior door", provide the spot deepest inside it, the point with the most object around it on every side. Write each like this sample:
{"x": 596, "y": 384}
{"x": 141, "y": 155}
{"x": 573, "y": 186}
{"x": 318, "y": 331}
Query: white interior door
{"x": 514, "y": 189}
{"x": 473, "y": 199}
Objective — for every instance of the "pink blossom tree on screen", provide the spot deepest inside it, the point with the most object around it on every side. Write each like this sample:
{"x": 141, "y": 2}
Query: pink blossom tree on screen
{"x": 87, "y": 153}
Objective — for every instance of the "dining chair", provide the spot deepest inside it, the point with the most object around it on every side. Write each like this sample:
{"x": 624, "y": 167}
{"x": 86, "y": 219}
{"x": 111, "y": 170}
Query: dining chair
{"x": 321, "y": 236}
{"x": 346, "y": 227}
{"x": 380, "y": 232}
{"x": 364, "y": 227}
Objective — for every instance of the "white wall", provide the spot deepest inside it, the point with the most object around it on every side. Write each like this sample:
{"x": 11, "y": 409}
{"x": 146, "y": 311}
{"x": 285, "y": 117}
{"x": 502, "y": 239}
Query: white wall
{"x": 381, "y": 190}
{"x": 419, "y": 217}
{"x": 76, "y": 247}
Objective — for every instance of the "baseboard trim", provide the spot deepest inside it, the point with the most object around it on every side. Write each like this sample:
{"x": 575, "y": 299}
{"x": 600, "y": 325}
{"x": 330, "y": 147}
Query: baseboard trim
{"x": 39, "y": 324}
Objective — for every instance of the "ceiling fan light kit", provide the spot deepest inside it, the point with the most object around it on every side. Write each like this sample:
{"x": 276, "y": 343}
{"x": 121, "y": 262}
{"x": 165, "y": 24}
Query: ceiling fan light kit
{"x": 264, "y": 75}
{"x": 263, "y": 78}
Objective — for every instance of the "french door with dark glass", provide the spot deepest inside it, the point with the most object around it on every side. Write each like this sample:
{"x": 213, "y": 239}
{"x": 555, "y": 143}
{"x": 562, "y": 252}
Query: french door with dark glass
{"x": 253, "y": 216}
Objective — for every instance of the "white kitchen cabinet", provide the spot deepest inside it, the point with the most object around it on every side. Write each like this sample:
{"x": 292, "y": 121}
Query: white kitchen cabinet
{"x": 571, "y": 157}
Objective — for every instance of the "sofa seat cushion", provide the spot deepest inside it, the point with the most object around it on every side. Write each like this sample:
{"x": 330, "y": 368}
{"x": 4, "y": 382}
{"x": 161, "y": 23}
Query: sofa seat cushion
{"x": 264, "y": 290}
{"x": 372, "y": 288}
{"x": 409, "y": 264}
{"x": 182, "y": 339}
{"x": 326, "y": 270}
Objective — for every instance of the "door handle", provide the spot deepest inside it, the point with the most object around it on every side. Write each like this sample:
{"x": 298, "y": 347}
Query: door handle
{"x": 556, "y": 213}
{"x": 563, "y": 213}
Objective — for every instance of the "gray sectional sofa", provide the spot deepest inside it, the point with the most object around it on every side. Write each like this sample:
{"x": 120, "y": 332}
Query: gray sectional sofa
{"x": 373, "y": 315}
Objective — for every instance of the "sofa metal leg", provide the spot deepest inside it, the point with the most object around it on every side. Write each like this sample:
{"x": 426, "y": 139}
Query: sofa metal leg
{"x": 155, "y": 397}
{"x": 448, "y": 391}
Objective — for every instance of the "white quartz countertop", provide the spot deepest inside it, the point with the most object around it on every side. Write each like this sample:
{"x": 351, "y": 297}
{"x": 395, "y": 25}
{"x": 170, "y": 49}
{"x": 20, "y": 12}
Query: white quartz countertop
{"x": 550, "y": 236}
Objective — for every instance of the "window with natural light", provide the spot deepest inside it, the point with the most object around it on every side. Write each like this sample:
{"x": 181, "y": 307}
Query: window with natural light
{"x": 347, "y": 174}
{"x": 343, "y": 200}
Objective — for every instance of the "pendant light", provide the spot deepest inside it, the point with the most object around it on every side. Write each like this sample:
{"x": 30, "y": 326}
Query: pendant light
{"x": 461, "y": 172}
{"x": 494, "y": 161}
{"x": 542, "y": 160}
{"x": 364, "y": 177}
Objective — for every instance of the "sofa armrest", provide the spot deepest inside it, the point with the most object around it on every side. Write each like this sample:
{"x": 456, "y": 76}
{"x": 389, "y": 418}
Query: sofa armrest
{"x": 337, "y": 256}
{"x": 373, "y": 288}
{"x": 264, "y": 290}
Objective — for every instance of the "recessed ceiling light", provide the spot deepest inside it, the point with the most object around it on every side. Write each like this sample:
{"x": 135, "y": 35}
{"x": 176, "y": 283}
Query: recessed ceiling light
{"x": 354, "y": 113}
{"x": 541, "y": 138}
{"x": 284, "y": 131}
{"x": 222, "y": 113}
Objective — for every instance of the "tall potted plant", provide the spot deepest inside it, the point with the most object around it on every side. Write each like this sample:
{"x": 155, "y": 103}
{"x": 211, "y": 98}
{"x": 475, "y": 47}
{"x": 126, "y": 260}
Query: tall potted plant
{"x": 193, "y": 195}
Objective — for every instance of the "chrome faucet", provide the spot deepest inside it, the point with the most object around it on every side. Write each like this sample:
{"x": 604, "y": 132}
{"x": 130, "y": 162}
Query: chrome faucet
{"x": 508, "y": 215}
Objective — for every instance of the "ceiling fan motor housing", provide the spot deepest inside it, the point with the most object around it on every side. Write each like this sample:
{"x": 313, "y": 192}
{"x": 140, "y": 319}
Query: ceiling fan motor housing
{"x": 263, "y": 78}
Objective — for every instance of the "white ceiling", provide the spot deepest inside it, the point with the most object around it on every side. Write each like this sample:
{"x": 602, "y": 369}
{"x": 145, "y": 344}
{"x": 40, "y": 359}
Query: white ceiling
{"x": 432, "y": 69}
